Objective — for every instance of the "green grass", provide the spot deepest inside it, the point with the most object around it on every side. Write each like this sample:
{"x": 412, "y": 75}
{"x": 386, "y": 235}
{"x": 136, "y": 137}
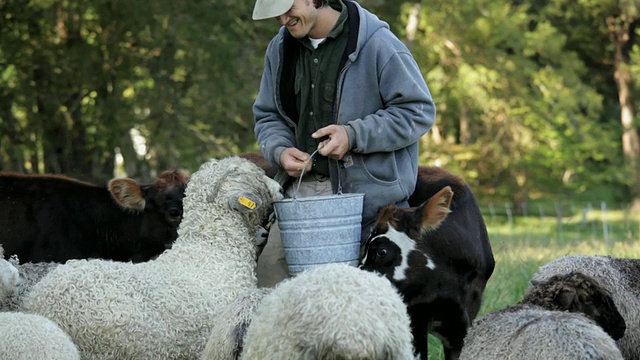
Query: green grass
{"x": 522, "y": 244}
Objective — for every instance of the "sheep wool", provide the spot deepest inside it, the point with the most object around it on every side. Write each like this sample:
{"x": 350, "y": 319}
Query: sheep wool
{"x": 620, "y": 276}
{"x": 330, "y": 312}
{"x": 165, "y": 308}
{"x": 9, "y": 279}
{"x": 227, "y": 337}
{"x": 29, "y": 275}
{"x": 524, "y": 332}
{"x": 27, "y": 337}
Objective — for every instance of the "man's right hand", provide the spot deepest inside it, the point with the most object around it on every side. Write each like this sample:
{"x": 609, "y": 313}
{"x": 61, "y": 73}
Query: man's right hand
{"x": 292, "y": 161}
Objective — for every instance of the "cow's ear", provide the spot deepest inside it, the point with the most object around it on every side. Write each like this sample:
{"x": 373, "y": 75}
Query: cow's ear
{"x": 436, "y": 209}
{"x": 245, "y": 202}
{"x": 127, "y": 193}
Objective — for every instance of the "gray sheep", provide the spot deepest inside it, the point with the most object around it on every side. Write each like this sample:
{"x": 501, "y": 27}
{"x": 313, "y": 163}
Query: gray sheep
{"x": 620, "y": 276}
{"x": 564, "y": 317}
{"x": 330, "y": 312}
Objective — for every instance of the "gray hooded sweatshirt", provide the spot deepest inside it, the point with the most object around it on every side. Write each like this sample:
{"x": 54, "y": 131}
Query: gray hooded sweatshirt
{"x": 381, "y": 98}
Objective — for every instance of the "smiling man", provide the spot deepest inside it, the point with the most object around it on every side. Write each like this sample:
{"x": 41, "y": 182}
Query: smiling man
{"x": 337, "y": 80}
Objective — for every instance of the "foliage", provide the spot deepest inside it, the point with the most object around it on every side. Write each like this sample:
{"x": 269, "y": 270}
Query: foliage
{"x": 525, "y": 92}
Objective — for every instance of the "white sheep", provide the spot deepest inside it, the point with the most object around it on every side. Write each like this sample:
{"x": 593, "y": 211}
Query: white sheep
{"x": 227, "y": 337}
{"x": 9, "y": 278}
{"x": 164, "y": 308}
{"x": 28, "y": 337}
{"x": 29, "y": 275}
{"x": 620, "y": 276}
{"x": 332, "y": 311}
{"x": 569, "y": 316}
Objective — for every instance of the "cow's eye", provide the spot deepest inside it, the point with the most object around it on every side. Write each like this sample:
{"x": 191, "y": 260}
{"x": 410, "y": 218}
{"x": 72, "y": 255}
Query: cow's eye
{"x": 381, "y": 252}
{"x": 175, "y": 213}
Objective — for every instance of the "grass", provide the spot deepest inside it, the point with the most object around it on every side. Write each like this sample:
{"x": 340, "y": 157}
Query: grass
{"x": 521, "y": 244}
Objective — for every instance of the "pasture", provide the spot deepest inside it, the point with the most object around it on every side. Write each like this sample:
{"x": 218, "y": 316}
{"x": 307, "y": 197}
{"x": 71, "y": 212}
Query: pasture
{"x": 521, "y": 243}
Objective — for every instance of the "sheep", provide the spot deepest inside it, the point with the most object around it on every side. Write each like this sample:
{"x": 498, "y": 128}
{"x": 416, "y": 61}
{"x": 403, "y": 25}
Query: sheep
{"x": 29, "y": 275}
{"x": 28, "y": 336}
{"x": 9, "y": 277}
{"x": 164, "y": 308}
{"x": 332, "y": 311}
{"x": 226, "y": 338}
{"x": 568, "y": 316}
{"x": 620, "y": 276}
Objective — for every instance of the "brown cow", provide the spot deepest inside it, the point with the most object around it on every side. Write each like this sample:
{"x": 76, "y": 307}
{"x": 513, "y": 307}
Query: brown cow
{"x": 54, "y": 218}
{"x": 438, "y": 256}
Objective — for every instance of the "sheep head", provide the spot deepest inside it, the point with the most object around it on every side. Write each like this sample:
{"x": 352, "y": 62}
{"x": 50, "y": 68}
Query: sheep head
{"x": 235, "y": 185}
{"x": 578, "y": 293}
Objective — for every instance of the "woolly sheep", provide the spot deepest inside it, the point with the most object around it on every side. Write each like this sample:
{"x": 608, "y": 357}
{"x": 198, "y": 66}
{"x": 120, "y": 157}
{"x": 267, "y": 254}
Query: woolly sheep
{"x": 332, "y": 311}
{"x": 29, "y": 275}
{"x": 28, "y": 336}
{"x": 227, "y": 337}
{"x": 620, "y": 276}
{"x": 9, "y": 277}
{"x": 566, "y": 317}
{"x": 164, "y": 308}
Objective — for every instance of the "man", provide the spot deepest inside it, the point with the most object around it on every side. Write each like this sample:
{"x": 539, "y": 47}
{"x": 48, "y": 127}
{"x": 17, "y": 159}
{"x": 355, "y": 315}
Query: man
{"x": 338, "y": 80}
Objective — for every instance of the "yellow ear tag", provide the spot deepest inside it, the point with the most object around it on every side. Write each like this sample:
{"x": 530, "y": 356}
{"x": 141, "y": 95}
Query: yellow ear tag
{"x": 247, "y": 202}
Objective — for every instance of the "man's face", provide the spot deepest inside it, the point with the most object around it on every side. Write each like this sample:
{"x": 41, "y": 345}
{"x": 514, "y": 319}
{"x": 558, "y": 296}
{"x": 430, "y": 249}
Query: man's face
{"x": 300, "y": 19}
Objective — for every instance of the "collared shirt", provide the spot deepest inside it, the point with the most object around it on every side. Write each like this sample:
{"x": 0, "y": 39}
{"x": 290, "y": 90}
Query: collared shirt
{"x": 315, "y": 85}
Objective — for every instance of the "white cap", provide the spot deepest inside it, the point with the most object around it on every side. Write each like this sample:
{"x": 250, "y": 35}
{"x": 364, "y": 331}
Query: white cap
{"x": 265, "y": 9}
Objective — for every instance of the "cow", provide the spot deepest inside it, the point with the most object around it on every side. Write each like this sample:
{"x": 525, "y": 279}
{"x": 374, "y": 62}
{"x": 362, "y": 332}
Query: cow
{"x": 54, "y": 218}
{"x": 437, "y": 253}
{"x": 257, "y": 158}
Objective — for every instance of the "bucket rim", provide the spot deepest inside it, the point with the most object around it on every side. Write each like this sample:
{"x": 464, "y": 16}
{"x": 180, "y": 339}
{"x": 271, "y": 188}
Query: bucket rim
{"x": 320, "y": 197}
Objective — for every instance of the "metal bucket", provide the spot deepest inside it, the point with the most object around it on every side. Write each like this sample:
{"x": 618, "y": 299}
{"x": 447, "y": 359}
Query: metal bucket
{"x": 320, "y": 229}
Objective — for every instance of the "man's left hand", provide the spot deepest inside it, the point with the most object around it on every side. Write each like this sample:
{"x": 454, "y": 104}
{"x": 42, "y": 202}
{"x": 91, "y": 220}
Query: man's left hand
{"x": 337, "y": 145}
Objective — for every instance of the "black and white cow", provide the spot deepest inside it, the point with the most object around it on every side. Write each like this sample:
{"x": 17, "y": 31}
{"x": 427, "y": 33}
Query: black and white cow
{"x": 438, "y": 256}
{"x": 54, "y": 218}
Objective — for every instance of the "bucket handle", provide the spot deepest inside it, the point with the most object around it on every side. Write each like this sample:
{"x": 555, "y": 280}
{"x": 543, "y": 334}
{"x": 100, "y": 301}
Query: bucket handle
{"x": 295, "y": 195}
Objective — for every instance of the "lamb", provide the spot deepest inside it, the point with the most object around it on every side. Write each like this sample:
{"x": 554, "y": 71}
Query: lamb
{"x": 164, "y": 308}
{"x": 332, "y": 311}
{"x": 620, "y": 276}
{"x": 568, "y": 316}
{"x": 227, "y": 337}
{"x": 27, "y": 336}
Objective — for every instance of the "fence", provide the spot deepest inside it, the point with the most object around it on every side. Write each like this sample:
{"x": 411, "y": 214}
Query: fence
{"x": 563, "y": 221}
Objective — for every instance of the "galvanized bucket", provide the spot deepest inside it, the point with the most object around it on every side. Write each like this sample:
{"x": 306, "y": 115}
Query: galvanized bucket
{"x": 320, "y": 229}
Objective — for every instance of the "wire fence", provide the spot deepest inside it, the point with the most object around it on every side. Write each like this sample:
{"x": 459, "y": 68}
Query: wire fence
{"x": 563, "y": 221}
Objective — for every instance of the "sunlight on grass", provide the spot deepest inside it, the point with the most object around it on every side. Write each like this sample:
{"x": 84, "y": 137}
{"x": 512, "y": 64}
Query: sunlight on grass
{"x": 522, "y": 244}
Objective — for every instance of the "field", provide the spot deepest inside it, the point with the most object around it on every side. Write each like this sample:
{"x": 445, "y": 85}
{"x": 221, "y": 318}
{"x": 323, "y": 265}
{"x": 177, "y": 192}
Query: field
{"x": 522, "y": 243}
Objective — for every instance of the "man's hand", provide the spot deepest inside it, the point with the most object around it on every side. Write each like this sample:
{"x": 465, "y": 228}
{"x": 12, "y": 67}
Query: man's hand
{"x": 337, "y": 145}
{"x": 292, "y": 161}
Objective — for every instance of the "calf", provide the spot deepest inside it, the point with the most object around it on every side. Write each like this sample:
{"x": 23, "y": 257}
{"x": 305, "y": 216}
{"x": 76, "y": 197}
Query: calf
{"x": 438, "y": 256}
{"x": 54, "y": 218}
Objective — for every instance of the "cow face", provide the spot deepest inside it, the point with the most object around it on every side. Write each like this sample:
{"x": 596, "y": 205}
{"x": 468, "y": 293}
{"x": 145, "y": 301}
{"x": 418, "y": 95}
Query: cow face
{"x": 164, "y": 205}
{"x": 158, "y": 206}
{"x": 397, "y": 232}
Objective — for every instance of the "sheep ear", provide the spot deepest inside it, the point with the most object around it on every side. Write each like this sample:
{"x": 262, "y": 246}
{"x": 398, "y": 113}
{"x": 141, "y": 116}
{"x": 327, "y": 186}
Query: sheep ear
{"x": 245, "y": 202}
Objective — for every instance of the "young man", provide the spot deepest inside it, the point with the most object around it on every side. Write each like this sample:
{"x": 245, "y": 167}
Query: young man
{"x": 338, "y": 80}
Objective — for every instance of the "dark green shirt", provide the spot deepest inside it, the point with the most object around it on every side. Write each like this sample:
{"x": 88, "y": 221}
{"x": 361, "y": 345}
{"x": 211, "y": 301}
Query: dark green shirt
{"x": 315, "y": 85}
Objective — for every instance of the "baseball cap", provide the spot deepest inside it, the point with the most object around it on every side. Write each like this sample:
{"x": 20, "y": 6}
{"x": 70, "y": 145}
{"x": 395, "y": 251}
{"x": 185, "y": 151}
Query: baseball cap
{"x": 265, "y": 9}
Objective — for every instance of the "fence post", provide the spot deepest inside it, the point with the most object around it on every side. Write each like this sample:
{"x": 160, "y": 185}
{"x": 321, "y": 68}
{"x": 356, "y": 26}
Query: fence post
{"x": 605, "y": 228}
{"x": 559, "y": 221}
